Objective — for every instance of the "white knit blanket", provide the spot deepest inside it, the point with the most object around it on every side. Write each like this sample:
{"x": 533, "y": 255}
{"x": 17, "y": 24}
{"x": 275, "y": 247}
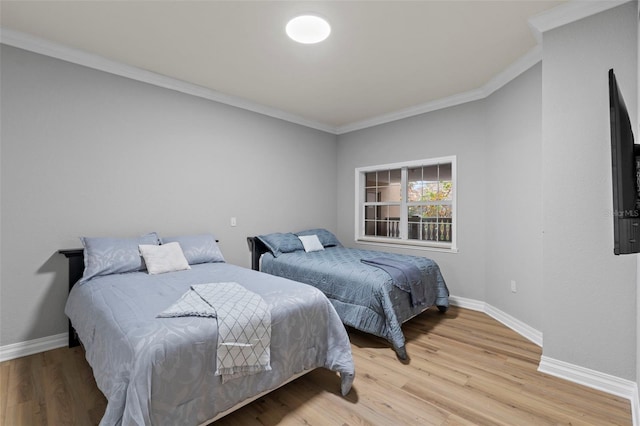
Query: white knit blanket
{"x": 244, "y": 325}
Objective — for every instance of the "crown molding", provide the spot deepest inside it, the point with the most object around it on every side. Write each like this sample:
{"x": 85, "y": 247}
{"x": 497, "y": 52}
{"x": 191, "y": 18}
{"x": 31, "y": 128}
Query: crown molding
{"x": 515, "y": 69}
{"x": 80, "y": 57}
{"x": 461, "y": 98}
{"x": 518, "y": 67}
{"x": 567, "y": 13}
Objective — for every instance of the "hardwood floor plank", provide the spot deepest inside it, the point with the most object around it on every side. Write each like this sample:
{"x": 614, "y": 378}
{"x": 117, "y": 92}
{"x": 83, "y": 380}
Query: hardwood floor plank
{"x": 61, "y": 409}
{"x": 39, "y": 399}
{"x": 20, "y": 414}
{"x": 465, "y": 369}
{"x": 404, "y": 409}
{"x": 5, "y": 369}
{"x": 20, "y": 382}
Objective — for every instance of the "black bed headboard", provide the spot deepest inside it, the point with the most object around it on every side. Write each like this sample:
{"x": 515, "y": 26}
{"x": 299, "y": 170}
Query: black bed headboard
{"x": 76, "y": 268}
{"x": 257, "y": 248}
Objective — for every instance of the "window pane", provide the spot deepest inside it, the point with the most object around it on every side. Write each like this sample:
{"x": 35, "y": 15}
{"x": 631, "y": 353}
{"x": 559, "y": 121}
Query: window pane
{"x": 382, "y": 212}
{"x": 430, "y": 173}
{"x": 415, "y": 227}
{"x": 389, "y": 185}
{"x": 369, "y": 227}
{"x": 371, "y": 180}
{"x": 369, "y": 212}
{"x": 390, "y": 194}
{"x": 430, "y": 183}
{"x": 445, "y": 190}
{"x": 445, "y": 171}
{"x": 415, "y": 184}
{"x": 415, "y": 211}
{"x": 431, "y": 191}
{"x": 414, "y": 174}
{"x": 383, "y": 178}
{"x": 395, "y": 176}
{"x": 445, "y": 212}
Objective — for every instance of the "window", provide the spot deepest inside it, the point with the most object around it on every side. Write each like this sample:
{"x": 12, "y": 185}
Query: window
{"x": 411, "y": 203}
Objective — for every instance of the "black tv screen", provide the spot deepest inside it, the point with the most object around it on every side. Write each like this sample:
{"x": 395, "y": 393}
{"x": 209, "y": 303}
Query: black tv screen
{"x": 625, "y": 161}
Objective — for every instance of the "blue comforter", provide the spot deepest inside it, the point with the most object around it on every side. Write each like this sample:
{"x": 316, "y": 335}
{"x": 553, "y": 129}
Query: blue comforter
{"x": 161, "y": 371}
{"x": 364, "y": 296}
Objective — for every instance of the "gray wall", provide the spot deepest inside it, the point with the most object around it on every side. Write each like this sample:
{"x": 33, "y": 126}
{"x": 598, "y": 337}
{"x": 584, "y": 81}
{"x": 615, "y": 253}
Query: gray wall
{"x": 513, "y": 198}
{"x": 89, "y": 153}
{"x": 459, "y": 131}
{"x": 589, "y": 293}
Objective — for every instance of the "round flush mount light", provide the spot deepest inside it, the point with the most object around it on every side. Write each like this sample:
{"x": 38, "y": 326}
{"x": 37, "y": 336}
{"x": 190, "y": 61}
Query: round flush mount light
{"x": 308, "y": 29}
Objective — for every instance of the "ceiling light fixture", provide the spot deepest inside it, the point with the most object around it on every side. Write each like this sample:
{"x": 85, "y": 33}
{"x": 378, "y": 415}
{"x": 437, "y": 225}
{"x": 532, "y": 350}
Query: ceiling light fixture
{"x": 308, "y": 29}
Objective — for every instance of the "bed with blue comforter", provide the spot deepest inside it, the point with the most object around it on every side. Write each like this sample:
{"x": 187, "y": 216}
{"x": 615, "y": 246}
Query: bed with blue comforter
{"x": 162, "y": 370}
{"x": 366, "y": 297}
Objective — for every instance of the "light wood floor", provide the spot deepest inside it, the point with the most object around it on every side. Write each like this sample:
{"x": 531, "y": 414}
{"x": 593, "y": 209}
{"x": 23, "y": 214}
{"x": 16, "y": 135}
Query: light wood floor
{"x": 465, "y": 369}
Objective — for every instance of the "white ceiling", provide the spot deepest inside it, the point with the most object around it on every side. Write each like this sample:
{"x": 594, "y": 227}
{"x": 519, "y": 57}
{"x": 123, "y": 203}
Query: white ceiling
{"x": 381, "y": 57}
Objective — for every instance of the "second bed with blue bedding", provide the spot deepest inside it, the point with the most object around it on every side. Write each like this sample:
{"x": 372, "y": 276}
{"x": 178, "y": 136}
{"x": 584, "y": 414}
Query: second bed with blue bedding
{"x": 365, "y": 296}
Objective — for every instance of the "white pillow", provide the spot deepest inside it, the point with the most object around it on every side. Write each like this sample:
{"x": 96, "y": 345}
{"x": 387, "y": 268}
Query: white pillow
{"x": 311, "y": 243}
{"x": 163, "y": 258}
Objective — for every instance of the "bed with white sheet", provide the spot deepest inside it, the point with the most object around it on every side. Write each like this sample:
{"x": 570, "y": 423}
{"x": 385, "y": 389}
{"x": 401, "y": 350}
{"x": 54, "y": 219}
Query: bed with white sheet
{"x": 162, "y": 369}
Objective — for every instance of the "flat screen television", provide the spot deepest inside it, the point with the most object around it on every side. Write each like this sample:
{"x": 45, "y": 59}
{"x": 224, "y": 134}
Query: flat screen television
{"x": 625, "y": 168}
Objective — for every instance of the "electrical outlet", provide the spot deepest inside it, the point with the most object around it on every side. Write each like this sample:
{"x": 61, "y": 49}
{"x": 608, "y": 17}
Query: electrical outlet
{"x": 513, "y": 286}
{"x": 234, "y": 222}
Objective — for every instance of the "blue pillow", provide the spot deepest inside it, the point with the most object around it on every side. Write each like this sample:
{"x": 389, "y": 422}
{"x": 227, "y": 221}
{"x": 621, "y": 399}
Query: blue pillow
{"x": 198, "y": 248}
{"x": 104, "y": 256}
{"x": 279, "y": 243}
{"x": 326, "y": 238}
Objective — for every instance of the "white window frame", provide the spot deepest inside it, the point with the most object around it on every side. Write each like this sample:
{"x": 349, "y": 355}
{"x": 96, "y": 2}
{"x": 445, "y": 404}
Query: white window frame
{"x": 403, "y": 241}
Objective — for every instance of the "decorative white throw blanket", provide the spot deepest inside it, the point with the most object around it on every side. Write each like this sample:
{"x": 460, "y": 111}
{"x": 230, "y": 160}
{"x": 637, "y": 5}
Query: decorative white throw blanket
{"x": 244, "y": 325}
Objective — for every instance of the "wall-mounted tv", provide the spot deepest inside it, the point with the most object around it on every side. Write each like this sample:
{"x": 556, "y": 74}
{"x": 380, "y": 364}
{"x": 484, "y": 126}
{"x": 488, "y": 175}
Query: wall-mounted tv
{"x": 625, "y": 169}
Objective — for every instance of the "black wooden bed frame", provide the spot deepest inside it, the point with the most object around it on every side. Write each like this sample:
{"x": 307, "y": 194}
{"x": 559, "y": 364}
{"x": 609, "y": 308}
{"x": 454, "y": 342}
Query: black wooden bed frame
{"x": 257, "y": 248}
{"x": 76, "y": 268}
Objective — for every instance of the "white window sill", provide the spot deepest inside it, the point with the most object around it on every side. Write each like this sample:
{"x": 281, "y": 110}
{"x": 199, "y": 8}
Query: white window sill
{"x": 406, "y": 245}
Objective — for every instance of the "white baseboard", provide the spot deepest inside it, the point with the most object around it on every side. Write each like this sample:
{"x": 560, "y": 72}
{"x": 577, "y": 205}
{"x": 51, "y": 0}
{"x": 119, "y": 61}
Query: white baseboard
{"x": 463, "y": 302}
{"x": 515, "y": 324}
{"x": 594, "y": 379}
{"x": 30, "y": 347}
